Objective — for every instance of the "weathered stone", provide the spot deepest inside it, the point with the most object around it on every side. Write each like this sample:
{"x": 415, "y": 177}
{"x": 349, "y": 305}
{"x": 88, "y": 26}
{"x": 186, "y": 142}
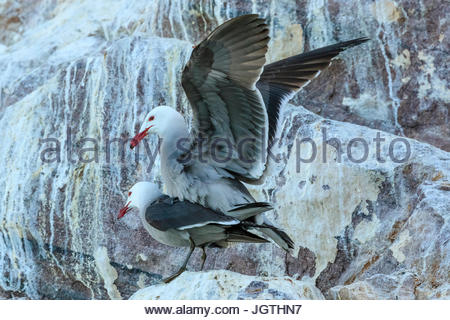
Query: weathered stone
{"x": 229, "y": 285}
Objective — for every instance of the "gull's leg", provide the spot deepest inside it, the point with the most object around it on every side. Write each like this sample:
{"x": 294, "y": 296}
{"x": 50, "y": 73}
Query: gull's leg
{"x": 203, "y": 258}
{"x": 183, "y": 267}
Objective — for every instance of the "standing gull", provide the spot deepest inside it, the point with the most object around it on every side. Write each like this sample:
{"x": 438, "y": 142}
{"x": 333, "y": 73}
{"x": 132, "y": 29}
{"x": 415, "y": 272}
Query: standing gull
{"x": 185, "y": 224}
{"x": 235, "y": 101}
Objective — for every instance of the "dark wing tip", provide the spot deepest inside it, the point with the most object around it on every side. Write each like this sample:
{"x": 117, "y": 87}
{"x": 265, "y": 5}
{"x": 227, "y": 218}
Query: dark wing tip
{"x": 245, "y": 17}
{"x": 287, "y": 239}
{"x": 265, "y": 205}
{"x": 283, "y": 235}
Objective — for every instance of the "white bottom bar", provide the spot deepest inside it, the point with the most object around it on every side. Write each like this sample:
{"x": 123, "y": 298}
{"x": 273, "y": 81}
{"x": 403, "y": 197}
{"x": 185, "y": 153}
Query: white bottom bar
{"x": 223, "y": 309}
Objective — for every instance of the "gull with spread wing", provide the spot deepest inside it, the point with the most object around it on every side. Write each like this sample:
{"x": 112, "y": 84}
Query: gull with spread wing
{"x": 235, "y": 100}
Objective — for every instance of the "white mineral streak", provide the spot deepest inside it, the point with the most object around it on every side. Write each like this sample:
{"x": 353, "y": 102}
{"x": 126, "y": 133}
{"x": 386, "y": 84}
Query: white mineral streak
{"x": 397, "y": 247}
{"x": 335, "y": 206}
{"x": 107, "y": 272}
{"x": 366, "y": 230}
{"x": 368, "y": 106}
{"x": 385, "y": 12}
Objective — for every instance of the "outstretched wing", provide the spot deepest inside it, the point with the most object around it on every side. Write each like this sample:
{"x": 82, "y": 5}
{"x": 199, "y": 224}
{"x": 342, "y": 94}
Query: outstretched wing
{"x": 282, "y": 79}
{"x": 228, "y": 110}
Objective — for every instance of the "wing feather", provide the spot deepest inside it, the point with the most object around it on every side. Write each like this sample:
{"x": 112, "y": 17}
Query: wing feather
{"x": 174, "y": 214}
{"x": 282, "y": 79}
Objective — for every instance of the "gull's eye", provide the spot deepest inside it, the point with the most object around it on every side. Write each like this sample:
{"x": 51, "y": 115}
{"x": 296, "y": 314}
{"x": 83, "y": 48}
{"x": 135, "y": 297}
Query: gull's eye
{"x": 151, "y": 118}
{"x": 129, "y": 193}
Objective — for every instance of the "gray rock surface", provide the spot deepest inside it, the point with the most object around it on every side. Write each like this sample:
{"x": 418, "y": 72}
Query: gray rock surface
{"x": 223, "y": 284}
{"x": 92, "y": 69}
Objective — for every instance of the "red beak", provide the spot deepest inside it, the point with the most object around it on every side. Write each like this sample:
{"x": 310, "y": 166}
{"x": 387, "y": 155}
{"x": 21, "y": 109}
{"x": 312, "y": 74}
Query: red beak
{"x": 137, "y": 138}
{"x": 124, "y": 210}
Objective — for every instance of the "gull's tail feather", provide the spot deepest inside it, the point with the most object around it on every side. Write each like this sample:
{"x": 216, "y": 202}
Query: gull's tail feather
{"x": 238, "y": 234}
{"x": 252, "y": 221}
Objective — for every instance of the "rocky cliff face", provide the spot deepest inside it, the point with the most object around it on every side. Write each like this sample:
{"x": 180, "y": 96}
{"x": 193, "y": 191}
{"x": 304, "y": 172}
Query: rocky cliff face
{"x": 377, "y": 228}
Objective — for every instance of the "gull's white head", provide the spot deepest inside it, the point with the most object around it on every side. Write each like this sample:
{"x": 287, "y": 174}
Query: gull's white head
{"x": 161, "y": 120}
{"x": 140, "y": 196}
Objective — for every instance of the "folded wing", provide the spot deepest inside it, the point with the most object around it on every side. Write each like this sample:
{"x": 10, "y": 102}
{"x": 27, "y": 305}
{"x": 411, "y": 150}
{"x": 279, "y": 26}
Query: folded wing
{"x": 169, "y": 213}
